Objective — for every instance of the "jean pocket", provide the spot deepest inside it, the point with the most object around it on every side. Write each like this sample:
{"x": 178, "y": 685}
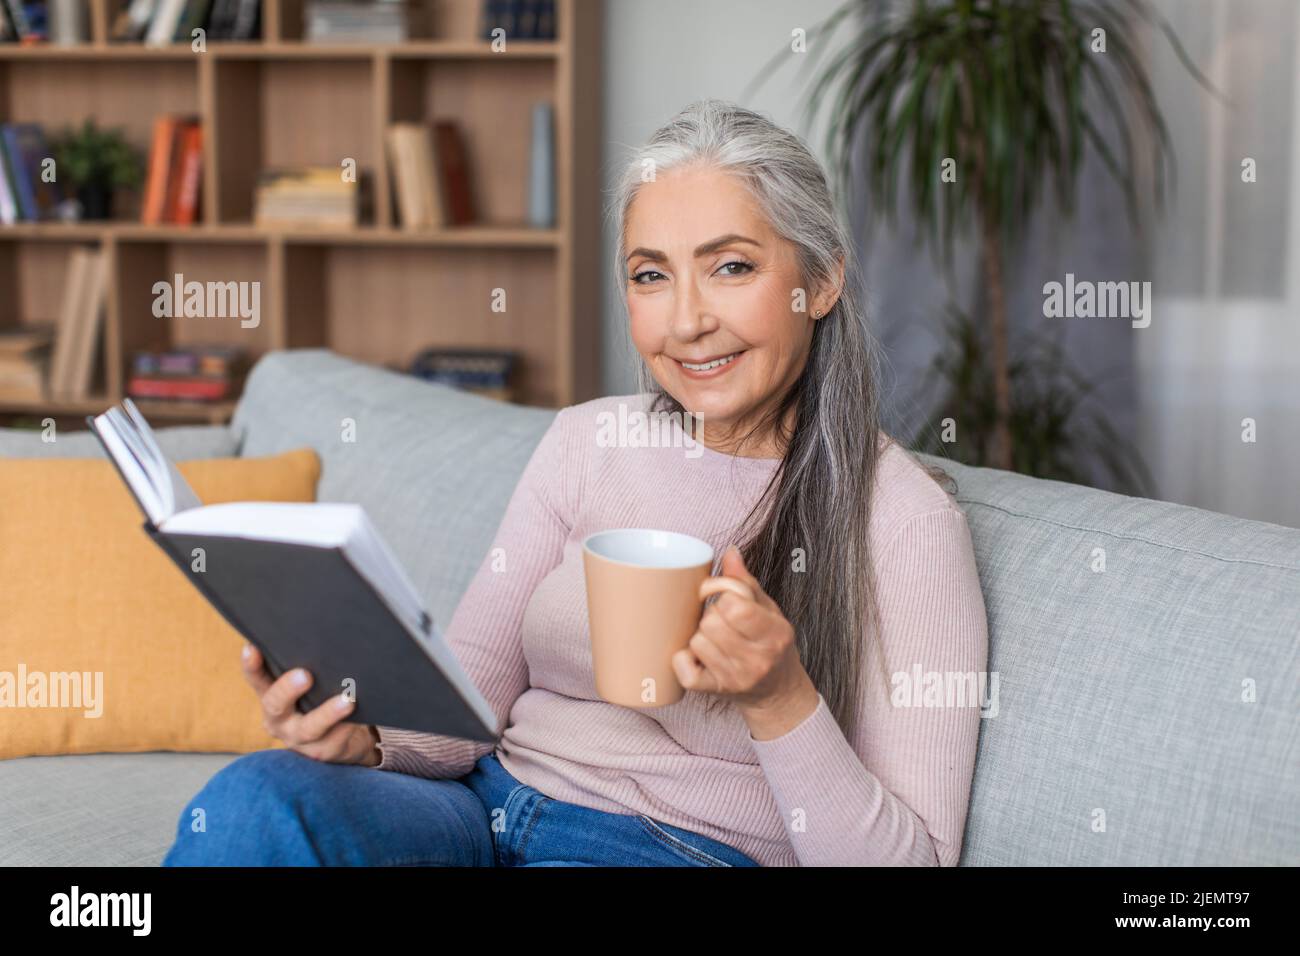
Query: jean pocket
{"x": 692, "y": 854}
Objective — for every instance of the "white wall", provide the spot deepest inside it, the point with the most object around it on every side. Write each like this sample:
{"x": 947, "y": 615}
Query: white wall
{"x": 661, "y": 56}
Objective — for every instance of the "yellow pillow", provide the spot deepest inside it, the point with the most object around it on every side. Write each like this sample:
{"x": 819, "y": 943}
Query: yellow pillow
{"x": 84, "y": 592}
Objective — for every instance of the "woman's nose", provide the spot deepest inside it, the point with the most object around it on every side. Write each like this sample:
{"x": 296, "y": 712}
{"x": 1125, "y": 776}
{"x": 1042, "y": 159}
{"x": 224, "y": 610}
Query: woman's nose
{"x": 691, "y": 317}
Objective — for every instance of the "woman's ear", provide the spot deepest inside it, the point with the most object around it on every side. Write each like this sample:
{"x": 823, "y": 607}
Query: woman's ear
{"x": 825, "y": 301}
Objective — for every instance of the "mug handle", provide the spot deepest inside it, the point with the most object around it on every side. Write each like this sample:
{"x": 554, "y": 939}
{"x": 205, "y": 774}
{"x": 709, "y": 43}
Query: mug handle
{"x": 711, "y": 586}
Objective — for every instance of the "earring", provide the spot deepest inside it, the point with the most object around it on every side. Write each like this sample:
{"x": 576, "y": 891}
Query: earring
{"x": 817, "y": 314}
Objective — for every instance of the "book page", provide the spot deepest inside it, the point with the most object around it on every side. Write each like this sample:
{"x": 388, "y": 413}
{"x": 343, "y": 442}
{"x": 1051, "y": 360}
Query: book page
{"x": 177, "y": 493}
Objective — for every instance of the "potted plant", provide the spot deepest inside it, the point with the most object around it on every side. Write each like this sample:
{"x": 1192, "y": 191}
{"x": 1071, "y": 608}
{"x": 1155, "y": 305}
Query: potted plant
{"x": 92, "y": 163}
{"x": 991, "y": 91}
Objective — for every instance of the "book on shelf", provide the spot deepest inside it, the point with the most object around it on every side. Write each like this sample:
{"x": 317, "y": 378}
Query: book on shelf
{"x": 24, "y": 361}
{"x": 359, "y": 21}
{"x": 312, "y": 196}
{"x": 171, "y": 190}
{"x": 453, "y": 167}
{"x": 161, "y": 22}
{"x": 519, "y": 19}
{"x": 25, "y": 194}
{"x": 201, "y": 373}
{"x": 488, "y": 372}
{"x": 77, "y": 334}
{"x": 23, "y": 22}
{"x": 310, "y": 584}
{"x": 430, "y": 172}
{"x": 235, "y": 20}
{"x": 415, "y": 181}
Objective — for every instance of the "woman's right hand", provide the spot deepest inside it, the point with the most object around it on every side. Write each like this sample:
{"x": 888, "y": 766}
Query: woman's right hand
{"x": 317, "y": 734}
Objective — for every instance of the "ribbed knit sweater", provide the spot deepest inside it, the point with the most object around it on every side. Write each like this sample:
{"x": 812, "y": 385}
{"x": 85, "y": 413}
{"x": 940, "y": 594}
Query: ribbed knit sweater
{"x": 893, "y": 792}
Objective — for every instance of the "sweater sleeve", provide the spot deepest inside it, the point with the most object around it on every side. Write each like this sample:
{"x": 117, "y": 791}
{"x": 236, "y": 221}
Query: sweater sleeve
{"x": 897, "y": 794}
{"x": 485, "y": 631}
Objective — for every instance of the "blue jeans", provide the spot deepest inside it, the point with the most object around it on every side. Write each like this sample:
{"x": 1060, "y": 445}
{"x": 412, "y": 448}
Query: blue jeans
{"x": 279, "y": 808}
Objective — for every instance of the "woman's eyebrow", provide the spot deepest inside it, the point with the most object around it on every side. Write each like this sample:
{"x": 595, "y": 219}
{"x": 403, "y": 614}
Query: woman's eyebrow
{"x": 703, "y": 249}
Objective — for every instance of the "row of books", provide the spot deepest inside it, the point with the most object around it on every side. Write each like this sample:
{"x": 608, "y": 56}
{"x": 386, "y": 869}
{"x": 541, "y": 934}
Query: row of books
{"x": 171, "y": 188}
{"x": 160, "y": 22}
{"x": 24, "y": 362}
{"x": 317, "y": 196}
{"x": 57, "y": 360}
{"x": 431, "y": 181}
{"x": 488, "y": 372}
{"x": 24, "y": 22}
{"x": 520, "y": 19}
{"x": 358, "y": 21}
{"x": 200, "y": 373}
{"x": 26, "y": 194}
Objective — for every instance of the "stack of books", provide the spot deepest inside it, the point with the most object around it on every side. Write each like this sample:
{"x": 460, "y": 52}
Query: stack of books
{"x": 314, "y": 196}
{"x": 171, "y": 192}
{"x": 76, "y": 338}
{"x": 24, "y": 362}
{"x": 24, "y": 192}
{"x": 204, "y": 373}
{"x": 520, "y": 19}
{"x": 159, "y": 22}
{"x": 431, "y": 184}
{"x": 357, "y": 21}
{"x": 485, "y": 372}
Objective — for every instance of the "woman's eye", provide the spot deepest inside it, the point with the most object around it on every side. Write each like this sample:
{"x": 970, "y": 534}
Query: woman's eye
{"x": 741, "y": 267}
{"x": 640, "y": 277}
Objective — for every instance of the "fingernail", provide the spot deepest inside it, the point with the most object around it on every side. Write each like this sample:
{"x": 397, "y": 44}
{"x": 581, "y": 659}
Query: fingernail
{"x": 342, "y": 703}
{"x": 300, "y": 678}
{"x": 248, "y": 649}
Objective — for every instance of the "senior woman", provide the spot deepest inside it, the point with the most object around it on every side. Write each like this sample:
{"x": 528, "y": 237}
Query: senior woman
{"x": 802, "y": 738}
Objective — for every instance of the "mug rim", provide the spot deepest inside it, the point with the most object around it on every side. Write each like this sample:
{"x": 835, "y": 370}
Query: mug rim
{"x": 586, "y": 548}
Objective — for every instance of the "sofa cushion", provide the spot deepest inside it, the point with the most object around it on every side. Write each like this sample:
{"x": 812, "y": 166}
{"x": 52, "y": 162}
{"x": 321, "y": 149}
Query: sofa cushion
{"x": 433, "y": 467}
{"x": 178, "y": 442}
{"x": 1155, "y": 697}
{"x": 97, "y": 809}
{"x": 88, "y": 599}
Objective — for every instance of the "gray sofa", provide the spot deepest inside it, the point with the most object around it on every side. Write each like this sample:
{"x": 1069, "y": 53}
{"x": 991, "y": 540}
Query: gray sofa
{"x": 1146, "y": 714}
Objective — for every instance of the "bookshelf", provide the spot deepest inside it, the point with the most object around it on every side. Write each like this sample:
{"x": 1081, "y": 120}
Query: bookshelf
{"x": 377, "y": 292}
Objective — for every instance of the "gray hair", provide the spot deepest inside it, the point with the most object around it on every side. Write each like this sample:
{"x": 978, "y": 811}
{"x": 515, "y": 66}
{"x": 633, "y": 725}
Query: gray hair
{"x": 819, "y": 499}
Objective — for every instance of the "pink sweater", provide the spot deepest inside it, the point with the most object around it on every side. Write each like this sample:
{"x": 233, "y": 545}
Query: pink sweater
{"x": 895, "y": 793}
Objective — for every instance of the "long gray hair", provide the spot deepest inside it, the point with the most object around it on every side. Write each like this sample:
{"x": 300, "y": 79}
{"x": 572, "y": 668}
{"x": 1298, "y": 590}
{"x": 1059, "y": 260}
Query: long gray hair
{"x": 818, "y": 502}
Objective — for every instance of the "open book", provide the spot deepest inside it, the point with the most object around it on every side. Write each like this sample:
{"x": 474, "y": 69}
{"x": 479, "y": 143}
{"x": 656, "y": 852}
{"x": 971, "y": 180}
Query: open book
{"x": 311, "y": 585}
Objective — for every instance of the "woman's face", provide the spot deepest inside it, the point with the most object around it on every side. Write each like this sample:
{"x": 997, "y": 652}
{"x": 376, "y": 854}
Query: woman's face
{"x": 709, "y": 281}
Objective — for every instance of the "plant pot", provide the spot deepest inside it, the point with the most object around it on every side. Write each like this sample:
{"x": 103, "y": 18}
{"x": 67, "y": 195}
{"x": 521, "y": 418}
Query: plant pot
{"x": 96, "y": 201}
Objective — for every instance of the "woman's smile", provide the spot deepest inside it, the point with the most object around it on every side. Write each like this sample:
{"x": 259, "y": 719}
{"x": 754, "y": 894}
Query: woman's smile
{"x": 708, "y": 367}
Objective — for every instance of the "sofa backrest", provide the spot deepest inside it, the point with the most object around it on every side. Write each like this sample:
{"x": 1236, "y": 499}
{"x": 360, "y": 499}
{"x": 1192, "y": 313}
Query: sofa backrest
{"x": 433, "y": 467}
{"x": 1146, "y": 706}
{"x": 1146, "y": 655}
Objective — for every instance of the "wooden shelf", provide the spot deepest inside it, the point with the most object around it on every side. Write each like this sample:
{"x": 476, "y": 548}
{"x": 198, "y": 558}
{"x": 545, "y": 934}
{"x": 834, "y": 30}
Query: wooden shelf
{"x": 415, "y": 49}
{"x": 377, "y": 292}
{"x": 207, "y": 412}
{"x": 475, "y": 236}
{"x": 57, "y": 406}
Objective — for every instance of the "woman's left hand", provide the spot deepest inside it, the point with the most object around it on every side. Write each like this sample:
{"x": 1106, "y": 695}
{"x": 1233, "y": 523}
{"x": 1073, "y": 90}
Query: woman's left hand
{"x": 745, "y": 650}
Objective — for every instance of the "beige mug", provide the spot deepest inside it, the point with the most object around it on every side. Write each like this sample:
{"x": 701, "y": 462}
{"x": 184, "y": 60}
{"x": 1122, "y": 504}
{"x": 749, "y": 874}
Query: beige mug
{"x": 645, "y": 597}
